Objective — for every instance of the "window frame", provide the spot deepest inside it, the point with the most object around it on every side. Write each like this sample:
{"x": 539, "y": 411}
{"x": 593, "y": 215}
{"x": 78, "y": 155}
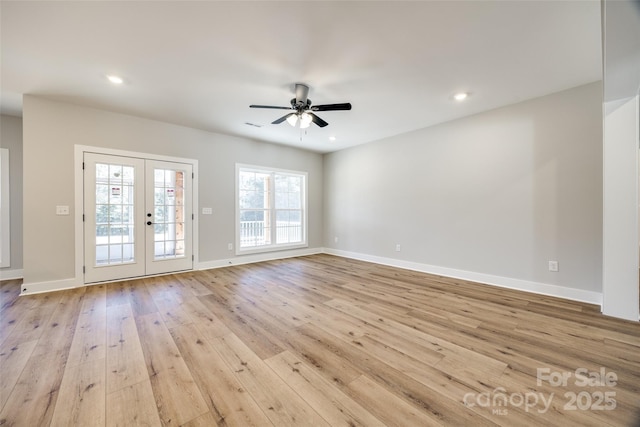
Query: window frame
{"x": 271, "y": 209}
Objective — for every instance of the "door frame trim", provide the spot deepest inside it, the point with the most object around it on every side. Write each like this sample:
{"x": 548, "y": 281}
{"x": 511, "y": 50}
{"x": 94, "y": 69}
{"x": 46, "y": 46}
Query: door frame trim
{"x": 79, "y": 151}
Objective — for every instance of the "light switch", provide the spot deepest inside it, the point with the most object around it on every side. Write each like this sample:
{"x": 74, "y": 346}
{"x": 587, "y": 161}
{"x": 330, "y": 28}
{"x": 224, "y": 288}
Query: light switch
{"x": 62, "y": 210}
{"x": 207, "y": 211}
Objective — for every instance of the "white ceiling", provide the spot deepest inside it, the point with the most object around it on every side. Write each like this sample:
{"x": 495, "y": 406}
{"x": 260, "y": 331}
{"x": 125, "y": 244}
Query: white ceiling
{"x": 201, "y": 64}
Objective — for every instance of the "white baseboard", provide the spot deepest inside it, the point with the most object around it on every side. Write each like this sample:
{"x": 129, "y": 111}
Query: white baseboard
{"x": 59, "y": 285}
{"x": 249, "y": 259}
{"x": 503, "y": 282}
{"x": 11, "y": 274}
{"x": 54, "y": 285}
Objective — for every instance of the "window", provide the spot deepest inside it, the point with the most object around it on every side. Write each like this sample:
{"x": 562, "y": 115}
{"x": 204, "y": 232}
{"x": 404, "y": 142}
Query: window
{"x": 271, "y": 210}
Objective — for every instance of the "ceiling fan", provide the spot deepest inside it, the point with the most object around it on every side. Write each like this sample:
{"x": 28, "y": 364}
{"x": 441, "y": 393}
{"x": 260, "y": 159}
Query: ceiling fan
{"x": 303, "y": 110}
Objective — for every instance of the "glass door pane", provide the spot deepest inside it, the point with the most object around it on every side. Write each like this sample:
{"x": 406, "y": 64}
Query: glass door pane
{"x": 169, "y": 224}
{"x": 114, "y": 215}
{"x": 114, "y": 210}
{"x": 169, "y": 216}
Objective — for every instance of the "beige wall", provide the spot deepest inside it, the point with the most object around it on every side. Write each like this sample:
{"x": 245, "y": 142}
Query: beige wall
{"x": 52, "y": 129}
{"x": 500, "y": 193}
{"x": 11, "y": 139}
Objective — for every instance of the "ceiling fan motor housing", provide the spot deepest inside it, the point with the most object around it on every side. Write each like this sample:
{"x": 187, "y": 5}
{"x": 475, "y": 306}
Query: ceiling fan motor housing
{"x": 299, "y": 106}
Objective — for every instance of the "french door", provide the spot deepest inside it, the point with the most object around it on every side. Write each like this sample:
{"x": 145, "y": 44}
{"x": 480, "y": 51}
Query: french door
{"x": 137, "y": 217}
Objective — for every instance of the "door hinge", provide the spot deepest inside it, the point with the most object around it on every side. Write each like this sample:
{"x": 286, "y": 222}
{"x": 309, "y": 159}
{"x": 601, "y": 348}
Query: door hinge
{"x": 193, "y": 216}
{"x": 193, "y": 175}
{"x": 82, "y": 165}
{"x": 193, "y": 257}
{"x": 82, "y": 217}
{"x": 84, "y": 269}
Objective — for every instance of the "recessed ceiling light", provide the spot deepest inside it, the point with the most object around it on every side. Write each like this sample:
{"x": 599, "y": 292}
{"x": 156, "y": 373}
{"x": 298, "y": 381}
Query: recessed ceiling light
{"x": 460, "y": 96}
{"x": 332, "y": 138}
{"x": 115, "y": 79}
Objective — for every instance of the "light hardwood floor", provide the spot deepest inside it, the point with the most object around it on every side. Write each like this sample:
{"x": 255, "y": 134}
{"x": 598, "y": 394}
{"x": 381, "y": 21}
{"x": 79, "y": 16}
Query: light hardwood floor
{"x": 311, "y": 341}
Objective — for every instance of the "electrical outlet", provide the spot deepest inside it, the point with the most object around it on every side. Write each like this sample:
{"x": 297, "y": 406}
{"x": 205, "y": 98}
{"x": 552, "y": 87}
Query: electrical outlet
{"x": 397, "y": 248}
{"x": 553, "y": 266}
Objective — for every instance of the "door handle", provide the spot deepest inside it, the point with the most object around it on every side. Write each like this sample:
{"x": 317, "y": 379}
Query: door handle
{"x": 149, "y": 223}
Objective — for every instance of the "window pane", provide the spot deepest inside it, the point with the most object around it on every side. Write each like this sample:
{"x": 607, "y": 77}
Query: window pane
{"x": 282, "y": 216}
{"x": 295, "y": 217}
{"x": 127, "y": 194}
{"x": 282, "y": 199}
{"x": 262, "y": 224}
{"x": 253, "y": 228}
{"x": 295, "y": 184}
{"x": 127, "y": 252}
{"x": 294, "y": 201}
{"x": 246, "y": 180}
{"x": 127, "y": 174}
{"x": 158, "y": 231}
{"x": 127, "y": 214}
{"x": 115, "y": 174}
{"x": 160, "y": 215}
{"x": 114, "y": 193}
{"x": 169, "y": 178}
{"x": 102, "y": 254}
{"x": 295, "y": 234}
{"x": 179, "y": 248}
{"x": 248, "y": 215}
{"x": 159, "y": 249}
{"x": 158, "y": 177}
{"x": 159, "y": 196}
{"x": 282, "y": 183}
{"x": 115, "y": 214}
{"x": 169, "y": 226}
{"x": 102, "y": 194}
{"x": 102, "y": 172}
{"x": 115, "y": 253}
{"x": 170, "y": 194}
{"x": 178, "y": 214}
{"x": 253, "y": 199}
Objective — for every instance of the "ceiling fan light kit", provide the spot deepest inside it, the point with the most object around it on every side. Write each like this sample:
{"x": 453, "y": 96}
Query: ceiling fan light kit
{"x": 302, "y": 109}
{"x": 292, "y": 119}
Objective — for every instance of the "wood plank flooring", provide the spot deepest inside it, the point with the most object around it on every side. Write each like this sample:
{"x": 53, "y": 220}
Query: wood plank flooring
{"x": 312, "y": 341}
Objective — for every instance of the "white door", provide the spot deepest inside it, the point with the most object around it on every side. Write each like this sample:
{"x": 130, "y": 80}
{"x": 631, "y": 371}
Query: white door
{"x": 137, "y": 217}
{"x": 168, "y": 218}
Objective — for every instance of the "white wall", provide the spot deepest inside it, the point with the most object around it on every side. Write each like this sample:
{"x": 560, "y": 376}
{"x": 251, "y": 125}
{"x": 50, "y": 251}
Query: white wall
{"x": 11, "y": 139}
{"x": 492, "y": 197}
{"x": 52, "y": 129}
{"x": 620, "y": 250}
{"x": 621, "y": 45}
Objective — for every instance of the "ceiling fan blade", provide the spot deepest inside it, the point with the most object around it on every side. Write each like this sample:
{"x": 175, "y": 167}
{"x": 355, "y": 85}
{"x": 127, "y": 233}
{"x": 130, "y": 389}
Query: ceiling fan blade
{"x": 317, "y": 120}
{"x": 282, "y": 119}
{"x": 273, "y": 107}
{"x": 331, "y": 107}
